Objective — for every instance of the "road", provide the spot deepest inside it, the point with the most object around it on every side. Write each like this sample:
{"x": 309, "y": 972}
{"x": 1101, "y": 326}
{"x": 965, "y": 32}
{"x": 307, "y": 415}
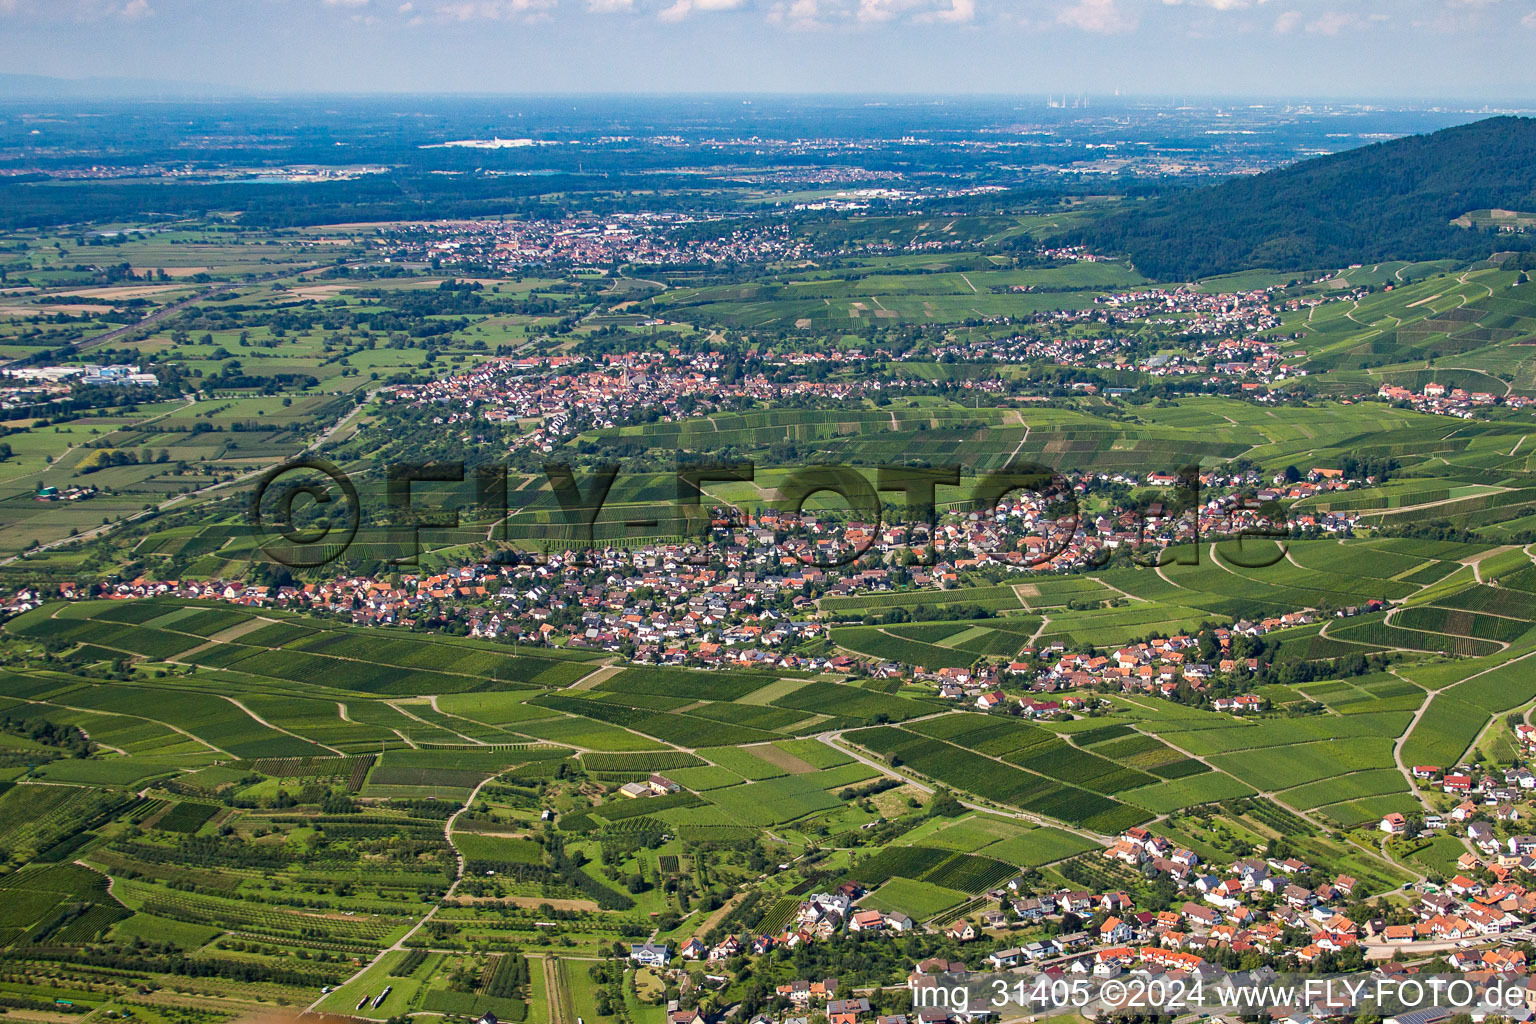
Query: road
{"x": 148, "y": 321}
{"x": 341, "y": 424}
{"x": 1397, "y": 752}
{"x": 399, "y": 943}
{"x": 326, "y": 436}
{"x": 178, "y": 499}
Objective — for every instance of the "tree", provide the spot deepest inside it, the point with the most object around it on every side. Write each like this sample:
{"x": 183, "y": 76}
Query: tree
{"x": 945, "y": 805}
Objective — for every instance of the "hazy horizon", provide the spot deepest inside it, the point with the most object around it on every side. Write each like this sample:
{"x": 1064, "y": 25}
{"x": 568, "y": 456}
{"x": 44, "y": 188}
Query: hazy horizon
{"x": 1412, "y": 51}
{"x": 132, "y": 87}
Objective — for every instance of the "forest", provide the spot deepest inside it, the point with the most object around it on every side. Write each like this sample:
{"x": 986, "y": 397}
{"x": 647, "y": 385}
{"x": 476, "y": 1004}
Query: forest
{"x": 1389, "y": 201}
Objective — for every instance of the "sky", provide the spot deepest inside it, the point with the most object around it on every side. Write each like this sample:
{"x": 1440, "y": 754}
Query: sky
{"x": 1472, "y": 50}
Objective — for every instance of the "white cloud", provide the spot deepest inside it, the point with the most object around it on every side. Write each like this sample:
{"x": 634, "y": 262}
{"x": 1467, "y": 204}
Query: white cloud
{"x": 344, "y": 3}
{"x": 1217, "y": 5}
{"x": 927, "y": 12}
{"x": 610, "y": 6}
{"x": 1288, "y": 22}
{"x": 959, "y": 12}
{"x": 798, "y": 14}
{"x": 805, "y": 13}
{"x": 683, "y": 8}
{"x": 1529, "y": 21}
{"x": 1103, "y": 16}
{"x": 1332, "y": 23}
{"x": 822, "y": 14}
{"x": 877, "y": 10}
{"x": 494, "y": 10}
{"x": 81, "y": 11}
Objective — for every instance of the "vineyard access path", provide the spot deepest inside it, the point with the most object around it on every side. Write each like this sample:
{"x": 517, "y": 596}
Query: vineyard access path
{"x": 399, "y": 943}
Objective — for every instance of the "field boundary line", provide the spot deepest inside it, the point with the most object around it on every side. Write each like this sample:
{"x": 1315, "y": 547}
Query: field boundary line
{"x": 278, "y": 728}
{"x": 417, "y": 718}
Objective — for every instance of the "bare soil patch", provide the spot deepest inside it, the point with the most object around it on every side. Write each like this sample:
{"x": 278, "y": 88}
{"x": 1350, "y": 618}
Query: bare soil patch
{"x": 780, "y": 758}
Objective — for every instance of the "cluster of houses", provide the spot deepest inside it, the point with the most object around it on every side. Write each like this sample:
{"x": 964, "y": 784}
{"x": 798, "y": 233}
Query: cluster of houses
{"x": 1293, "y": 901}
{"x": 1464, "y": 909}
{"x": 1214, "y": 327}
{"x": 1159, "y": 666}
{"x": 1444, "y": 400}
{"x": 1277, "y": 908}
{"x": 820, "y": 999}
{"x": 1487, "y": 797}
{"x": 1197, "y": 312}
{"x": 1222, "y": 339}
{"x": 752, "y": 603}
{"x": 585, "y": 241}
{"x": 820, "y": 917}
{"x": 1252, "y": 905}
{"x": 552, "y": 398}
{"x": 645, "y": 237}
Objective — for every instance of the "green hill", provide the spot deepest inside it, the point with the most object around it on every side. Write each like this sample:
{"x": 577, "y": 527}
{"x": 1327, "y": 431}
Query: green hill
{"x": 1389, "y": 201}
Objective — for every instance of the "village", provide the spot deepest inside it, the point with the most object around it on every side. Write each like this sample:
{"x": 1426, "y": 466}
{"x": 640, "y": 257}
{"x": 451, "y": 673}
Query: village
{"x": 1274, "y": 914}
{"x": 1254, "y": 913}
{"x": 750, "y": 596}
{"x": 575, "y": 393}
{"x": 659, "y": 238}
{"x": 1441, "y": 400}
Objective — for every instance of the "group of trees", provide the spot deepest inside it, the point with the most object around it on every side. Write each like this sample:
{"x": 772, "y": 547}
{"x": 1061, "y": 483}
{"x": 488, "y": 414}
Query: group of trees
{"x": 1390, "y": 201}
{"x": 68, "y": 739}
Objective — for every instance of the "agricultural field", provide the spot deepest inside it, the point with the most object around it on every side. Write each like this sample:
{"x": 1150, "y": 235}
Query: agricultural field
{"x": 248, "y": 753}
{"x": 596, "y": 665}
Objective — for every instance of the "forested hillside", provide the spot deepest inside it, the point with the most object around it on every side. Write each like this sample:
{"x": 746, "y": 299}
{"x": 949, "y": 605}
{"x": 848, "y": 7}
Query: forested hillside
{"x": 1390, "y": 201}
